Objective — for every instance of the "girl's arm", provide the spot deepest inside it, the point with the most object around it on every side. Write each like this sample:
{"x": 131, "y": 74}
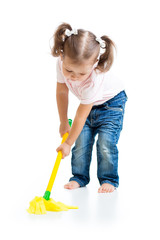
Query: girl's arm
{"x": 77, "y": 126}
{"x": 62, "y": 104}
{"x": 78, "y": 123}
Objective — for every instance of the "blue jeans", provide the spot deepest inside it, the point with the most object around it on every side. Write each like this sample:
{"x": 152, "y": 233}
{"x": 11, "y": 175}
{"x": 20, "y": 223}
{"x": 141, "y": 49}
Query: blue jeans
{"x": 106, "y": 120}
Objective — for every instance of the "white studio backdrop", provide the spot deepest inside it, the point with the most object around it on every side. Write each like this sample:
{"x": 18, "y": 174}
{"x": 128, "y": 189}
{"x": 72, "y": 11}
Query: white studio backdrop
{"x": 29, "y": 122}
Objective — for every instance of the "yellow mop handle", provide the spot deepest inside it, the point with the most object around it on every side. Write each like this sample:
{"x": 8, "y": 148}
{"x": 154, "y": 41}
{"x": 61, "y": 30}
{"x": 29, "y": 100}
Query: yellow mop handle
{"x": 56, "y": 166}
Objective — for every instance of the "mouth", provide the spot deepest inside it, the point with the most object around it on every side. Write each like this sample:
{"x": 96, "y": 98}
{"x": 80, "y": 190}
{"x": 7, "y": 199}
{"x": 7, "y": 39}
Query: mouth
{"x": 74, "y": 80}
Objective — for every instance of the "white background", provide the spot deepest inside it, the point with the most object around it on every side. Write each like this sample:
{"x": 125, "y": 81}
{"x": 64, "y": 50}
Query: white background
{"x": 29, "y": 121}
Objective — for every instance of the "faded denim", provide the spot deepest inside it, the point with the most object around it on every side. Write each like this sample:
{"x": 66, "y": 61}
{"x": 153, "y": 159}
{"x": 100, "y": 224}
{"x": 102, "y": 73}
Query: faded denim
{"x": 106, "y": 120}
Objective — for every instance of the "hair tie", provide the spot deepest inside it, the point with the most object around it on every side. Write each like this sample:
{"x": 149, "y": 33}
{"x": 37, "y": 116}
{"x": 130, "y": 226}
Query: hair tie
{"x": 101, "y": 42}
{"x": 70, "y": 32}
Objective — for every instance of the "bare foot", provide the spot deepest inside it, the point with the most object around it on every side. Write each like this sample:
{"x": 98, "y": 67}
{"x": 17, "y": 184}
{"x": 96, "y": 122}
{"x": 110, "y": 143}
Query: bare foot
{"x": 72, "y": 185}
{"x": 106, "y": 188}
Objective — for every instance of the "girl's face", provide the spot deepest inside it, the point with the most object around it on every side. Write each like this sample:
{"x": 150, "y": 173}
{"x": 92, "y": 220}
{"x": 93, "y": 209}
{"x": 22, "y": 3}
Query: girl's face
{"x": 76, "y": 72}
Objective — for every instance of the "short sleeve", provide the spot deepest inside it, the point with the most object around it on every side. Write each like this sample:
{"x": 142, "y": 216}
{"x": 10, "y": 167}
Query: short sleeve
{"x": 60, "y": 77}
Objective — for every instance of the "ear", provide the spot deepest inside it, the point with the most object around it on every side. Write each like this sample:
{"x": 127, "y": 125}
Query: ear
{"x": 62, "y": 56}
{"x": 96, "y": 62}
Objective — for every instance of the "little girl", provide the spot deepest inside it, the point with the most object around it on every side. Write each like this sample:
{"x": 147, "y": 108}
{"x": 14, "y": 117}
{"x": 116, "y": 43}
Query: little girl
{"x": 84, "y": 70}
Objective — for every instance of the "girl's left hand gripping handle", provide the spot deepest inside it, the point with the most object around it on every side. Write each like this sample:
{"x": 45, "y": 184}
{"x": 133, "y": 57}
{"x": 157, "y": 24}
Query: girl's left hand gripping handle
{"x": 55, "y": 168}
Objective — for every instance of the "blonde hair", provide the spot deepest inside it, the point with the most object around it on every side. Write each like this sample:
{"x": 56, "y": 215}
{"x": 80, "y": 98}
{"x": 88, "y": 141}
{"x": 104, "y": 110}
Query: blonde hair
{"x": 82, "y": 46}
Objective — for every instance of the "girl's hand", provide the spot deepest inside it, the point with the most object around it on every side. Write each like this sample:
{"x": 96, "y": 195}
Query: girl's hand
{"x": 64, "y": 127}
{"x": 65, "y": 149}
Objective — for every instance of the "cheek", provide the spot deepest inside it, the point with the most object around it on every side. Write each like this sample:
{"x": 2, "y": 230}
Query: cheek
{"x": 83, "y": 77}
{"x": 65, "y": 73}
{"x": 86, "y": 76}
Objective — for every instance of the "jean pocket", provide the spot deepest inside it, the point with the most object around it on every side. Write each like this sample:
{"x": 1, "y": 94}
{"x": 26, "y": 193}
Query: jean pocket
{"x": 116, "y": 104}
{"x": 119, "y": 109}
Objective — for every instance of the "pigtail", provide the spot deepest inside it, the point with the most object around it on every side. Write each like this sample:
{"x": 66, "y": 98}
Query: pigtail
{"x": 59, "y": 39}
{"x": 106, "y": 59}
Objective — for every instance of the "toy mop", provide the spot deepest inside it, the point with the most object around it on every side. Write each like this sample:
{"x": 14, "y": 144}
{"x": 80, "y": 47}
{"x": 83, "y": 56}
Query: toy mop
{"x": 40, "y": 205}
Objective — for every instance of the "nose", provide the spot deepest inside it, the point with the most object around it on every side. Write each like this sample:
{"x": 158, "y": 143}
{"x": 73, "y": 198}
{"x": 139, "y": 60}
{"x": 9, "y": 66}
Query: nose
{"x": 73, "y": 77}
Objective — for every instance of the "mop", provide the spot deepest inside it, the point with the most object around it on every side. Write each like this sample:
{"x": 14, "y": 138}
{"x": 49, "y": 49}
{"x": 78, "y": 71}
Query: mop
{"x": 40, "y": 205}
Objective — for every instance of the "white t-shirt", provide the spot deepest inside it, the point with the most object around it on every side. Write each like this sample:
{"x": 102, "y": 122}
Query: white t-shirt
{"x": 97, "y": 88}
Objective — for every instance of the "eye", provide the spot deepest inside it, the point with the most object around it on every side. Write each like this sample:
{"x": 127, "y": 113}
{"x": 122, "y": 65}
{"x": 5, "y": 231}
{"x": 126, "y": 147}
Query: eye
{"x": 83, "y": 74}
{"x": 68, "y": 70}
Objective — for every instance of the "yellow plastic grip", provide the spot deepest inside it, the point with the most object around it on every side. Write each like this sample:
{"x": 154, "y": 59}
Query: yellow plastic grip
{"x": 56, "y": 166}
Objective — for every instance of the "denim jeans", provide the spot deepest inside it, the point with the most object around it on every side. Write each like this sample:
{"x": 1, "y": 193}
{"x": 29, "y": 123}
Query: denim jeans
{"x": 106, "y": 120}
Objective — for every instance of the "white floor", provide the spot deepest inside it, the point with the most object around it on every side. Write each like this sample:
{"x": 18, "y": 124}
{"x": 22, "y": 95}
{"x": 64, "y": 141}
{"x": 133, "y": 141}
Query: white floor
{"x": 131, "y": 212}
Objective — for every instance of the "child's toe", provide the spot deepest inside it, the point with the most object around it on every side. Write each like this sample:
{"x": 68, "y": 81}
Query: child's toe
{"x": 100, "y": 190}
{"x": 67, "y": 186}
{"x": 106, "y": 188}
